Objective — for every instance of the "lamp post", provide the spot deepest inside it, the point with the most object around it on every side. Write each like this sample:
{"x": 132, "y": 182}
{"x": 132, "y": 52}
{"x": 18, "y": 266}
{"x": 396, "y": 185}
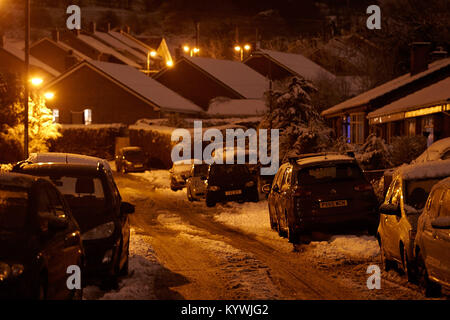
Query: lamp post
{"x": 241, "y": 50}
{"x": 27, "y": 72}
{"x": 192, "y": 51}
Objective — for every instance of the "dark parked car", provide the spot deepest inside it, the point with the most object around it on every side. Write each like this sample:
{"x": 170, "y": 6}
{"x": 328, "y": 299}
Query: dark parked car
{"x": 320, "y": 192}
{"x": 230, "y": 182}
{"x": 432, "y": 245}
{"x": 401, "y": 209}
{"x": 39, "y": 239}
{"x": 131, "y": 159}
{"x": 98, "y": 208}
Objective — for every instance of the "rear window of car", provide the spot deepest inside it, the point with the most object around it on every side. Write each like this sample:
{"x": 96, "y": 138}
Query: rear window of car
{"x": 13, "y": 208}
{"x": 134, "y": 155}
{"x": 226, "y": 171}
{"x": 321, "y": 174}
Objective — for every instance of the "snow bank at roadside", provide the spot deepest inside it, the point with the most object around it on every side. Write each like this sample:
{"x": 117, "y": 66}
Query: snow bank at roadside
{"x": 157, "y": 178}
{"x": 346, "y": 246}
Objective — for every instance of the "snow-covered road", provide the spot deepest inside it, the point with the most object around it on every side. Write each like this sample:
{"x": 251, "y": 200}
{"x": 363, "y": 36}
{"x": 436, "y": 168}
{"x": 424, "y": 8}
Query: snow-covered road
{"x": 184, "y": 250}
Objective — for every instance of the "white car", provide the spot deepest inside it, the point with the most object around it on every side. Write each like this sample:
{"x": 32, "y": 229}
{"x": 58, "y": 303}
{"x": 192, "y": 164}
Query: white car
{"x": 196, "y": 183}
{"x": 439, "y": 150}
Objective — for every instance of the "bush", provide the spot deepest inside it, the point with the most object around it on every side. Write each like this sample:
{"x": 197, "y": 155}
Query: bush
{"x": 374, "y": 154}
{"x": 157, "y": 145}
{"x": 405, "y": 149}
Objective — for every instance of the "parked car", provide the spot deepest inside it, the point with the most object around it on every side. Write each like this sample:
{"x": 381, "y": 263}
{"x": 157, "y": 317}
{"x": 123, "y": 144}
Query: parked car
{"x": 179, "y": 173}
{"x": 439, "y": 150}
{"x": 401, "y": 209}
{"x": 196, "y": 183}
{"x": 102, "y": 216}
{"x": 320, "y": 193}
{"x": 39, "y": 240}
{"x": 432, "y": 243}
{"x": 131, "y": 159}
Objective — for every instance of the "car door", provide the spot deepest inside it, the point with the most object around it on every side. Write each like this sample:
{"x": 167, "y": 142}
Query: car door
{"x": 283, "y": 202}
{"x": 390, "y": 222}
{"x": 275, "y": 192}
{"x": 53, "y": 242}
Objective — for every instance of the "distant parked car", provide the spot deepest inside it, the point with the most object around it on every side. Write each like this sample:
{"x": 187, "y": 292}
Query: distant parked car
{"x": 179, "y": 173}
{"x": 230, "y": 182}
{"x": 320, "y": 192}
{"x": 39, "y": 240}
{"x": 196, "y": 183}
{"x": 131, "y": 159}
{"x": 401, "y": 209}
{"x": 102, "y": 216}
{"x": 432, "y": 244}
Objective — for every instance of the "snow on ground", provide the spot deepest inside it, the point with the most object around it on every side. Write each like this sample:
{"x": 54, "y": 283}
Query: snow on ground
{"x": 139, "y": 284}
{"x": 157, "y": 178}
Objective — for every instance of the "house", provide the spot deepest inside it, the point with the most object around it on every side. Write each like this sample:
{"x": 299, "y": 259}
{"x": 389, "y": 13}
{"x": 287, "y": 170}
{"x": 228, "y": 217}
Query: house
{"x": 12, "y": 60}
{"x": 55, "y": 53}
{"x": 96, "y": 92}
{"x": 277, "y": 65}
{"x": 203, "y": 79}
{"x": 224, "y": 107}
{"x": 95, "y": 49}
{"x": 424, "y": 112}
{"x": 349, "y": 118}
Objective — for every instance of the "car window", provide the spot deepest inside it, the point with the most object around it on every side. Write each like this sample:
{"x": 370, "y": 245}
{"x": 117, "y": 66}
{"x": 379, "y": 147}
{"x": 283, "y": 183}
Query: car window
{"x": 396, "y": 193}
{"x": 444, "y": 208}
{"x": 44, "y": 209}
{"x": 435, "y": 202}
{"x": 13, "y": 208}
{"x": 320, "y": 174}
{"x": 286, "y": 177}
{"x": 278, "y": 177}
{"x": 56, "y": 203}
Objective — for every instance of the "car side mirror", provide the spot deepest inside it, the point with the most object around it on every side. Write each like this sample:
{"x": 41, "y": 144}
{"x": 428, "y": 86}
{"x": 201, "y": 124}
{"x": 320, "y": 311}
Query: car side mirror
{"x": 57, "y": 224}
{"x": 441, "y": 223}
{"x": 126, "y": 208}
{"x": 266, "y": 188}
{"x": 276, "y": 188}
{"x": 390, "y": 209}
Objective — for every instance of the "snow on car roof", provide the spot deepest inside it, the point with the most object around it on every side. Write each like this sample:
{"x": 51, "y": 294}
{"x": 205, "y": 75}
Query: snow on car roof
{"x": 425, "y": 170}
{"x": 435, "y": 151}
{"x": 322, "y": 158}
{"x": 69, "y": 158}
{"x": 236, "y": 75}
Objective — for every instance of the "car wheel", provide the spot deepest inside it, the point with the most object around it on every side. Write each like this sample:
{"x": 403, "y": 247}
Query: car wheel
{"x": 281, "y": 231}
{"x": 210, "y": 203}
{"x": 292, "y": 235}
{"x": 273, "y": 224}
{"x": 123, "y": 170}
{"x": 408, "y": 267}
{"x": 431, "y": 289}
{"x": 386, "y": 264}
{"x": 124, "y": 270}
{"x": 189, "y": 195}
{"x": 173, "y": 189}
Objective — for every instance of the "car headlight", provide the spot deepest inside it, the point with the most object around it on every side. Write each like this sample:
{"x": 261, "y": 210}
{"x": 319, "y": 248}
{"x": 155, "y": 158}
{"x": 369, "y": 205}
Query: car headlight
{"x": 249, "y": 184}
{"x": 101, "y": 232}
{"x": 214, "y": 188}
{"x": 5, "y": 271}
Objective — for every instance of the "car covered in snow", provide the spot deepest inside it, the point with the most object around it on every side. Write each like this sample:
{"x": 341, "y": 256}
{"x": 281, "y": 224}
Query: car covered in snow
{"x": 323, "y": 192}
{"x": 39, "y": 240}
{"x": 399, "y": 214}
{"x": 180, "y": 172}
{"x": 130, "y": 159}
{"x": 196, "y": 182}
{"x": 432, "y": 243}
{"x": 99, "y": 211}
{"x": 230, "y": 182}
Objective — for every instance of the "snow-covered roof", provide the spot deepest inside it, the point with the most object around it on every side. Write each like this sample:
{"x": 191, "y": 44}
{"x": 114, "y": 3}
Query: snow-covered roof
{"x": 434, "y": 94}
{"x": 299, "y": 64}
{"x": 120, "y": 46}
{"x": 20, "y": 54}
{"x": 63, "y": 46}
{"x": 135, "y": 44}
{"x": 322, "y": 158}
{"x": 147, "y": 87}
{"x": 435, "y": 151}
{"x": 425, "y": 170}
{"x": 387, "y": 87}
{"x": 236, "y": 75}
{"x": 94, "y": 43}
{"x": 243, "y": 107}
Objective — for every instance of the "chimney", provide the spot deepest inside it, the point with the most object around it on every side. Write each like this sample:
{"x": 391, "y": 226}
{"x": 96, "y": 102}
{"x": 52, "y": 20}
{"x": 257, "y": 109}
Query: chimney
{"x": 93, "y": 27}
{"x": 70, "y": 60}
{"x": 128, "y": 29}
{"x": 108, "y": 27}
{"x": 55, "y": 35}
{"x": 419, "y": 57}
{"x": 438, "y": 54}
{"x": 76, "y": 32}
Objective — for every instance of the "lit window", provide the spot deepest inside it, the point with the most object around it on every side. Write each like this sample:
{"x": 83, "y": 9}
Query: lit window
{"x": 357, "y": 128}
{"x": 87, "y": 116}
{"x": 55, "y": 113}
{"x": 346, "y": 128}
{"x": 411, "y": 127}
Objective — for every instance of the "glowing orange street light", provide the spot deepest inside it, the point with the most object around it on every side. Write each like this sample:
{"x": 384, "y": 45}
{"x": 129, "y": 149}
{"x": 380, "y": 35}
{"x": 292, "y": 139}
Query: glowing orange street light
{"x": 150, "y": 54}
{"x": 36, "y": 82}
{"x": 240, "y": 49}
{"x": 49, "y": 95}
{"x": 186, "y": 49}
{"x": 169, "y": 63}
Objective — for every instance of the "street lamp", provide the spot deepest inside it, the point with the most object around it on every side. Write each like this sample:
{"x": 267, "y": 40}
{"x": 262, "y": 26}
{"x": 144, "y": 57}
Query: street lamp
{"x": 150, "y": 54}
{"x": 192, "y": 51}
{"x": 169, "y": 63}
{"x": 36, "y": 82}
{"x": 49, "y": 95}
{"x": 241, "y": 50}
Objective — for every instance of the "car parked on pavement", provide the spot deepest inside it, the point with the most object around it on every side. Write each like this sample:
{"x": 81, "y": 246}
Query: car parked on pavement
{"x": 179, "y": 173}
{"x": 404, "y": 202}
{"x": 98, "y": 208}
{"x": 320, "y": 193}
{"x": 130, "y": 159}
{"x": 230, "y": 182}
{"x": 39, "y": 240}
{"x": 196, "y": 182}
{"x": 432, "y": 243}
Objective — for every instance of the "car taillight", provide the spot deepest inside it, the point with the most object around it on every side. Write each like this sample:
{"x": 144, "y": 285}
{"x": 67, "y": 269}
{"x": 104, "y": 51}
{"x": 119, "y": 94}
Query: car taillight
{"x": 363, "y": 187}
{"x": 301, "y": 192}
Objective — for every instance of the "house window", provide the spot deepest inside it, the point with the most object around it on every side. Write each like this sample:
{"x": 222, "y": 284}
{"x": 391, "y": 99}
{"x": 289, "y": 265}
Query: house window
{"x": 357, "y": 128}
{"x": 411, "y": 127}
{"x": 346, "y": 128}
{"x": 87, "y": 116}
{"x": 55, "y": 113}
{"x": 428, "y": 129}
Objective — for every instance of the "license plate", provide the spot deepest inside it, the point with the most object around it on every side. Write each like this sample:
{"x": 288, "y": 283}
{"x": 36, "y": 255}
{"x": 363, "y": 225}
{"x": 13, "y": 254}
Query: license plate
{"x": 139, "y": 166}
{"x": 233, "y": 192}
{"x": 333, "y": 204}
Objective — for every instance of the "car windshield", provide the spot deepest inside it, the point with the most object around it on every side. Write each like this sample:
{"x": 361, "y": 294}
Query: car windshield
{"x": 345, "y": 171}
{"x": 201, "y": 170}
{"x": 229, "y": 172}
{"x": 417, "y": 192}
{"x": 13, "y": 208}
{"x": 180, "y": 168}
{"x": 134, "y": 155}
